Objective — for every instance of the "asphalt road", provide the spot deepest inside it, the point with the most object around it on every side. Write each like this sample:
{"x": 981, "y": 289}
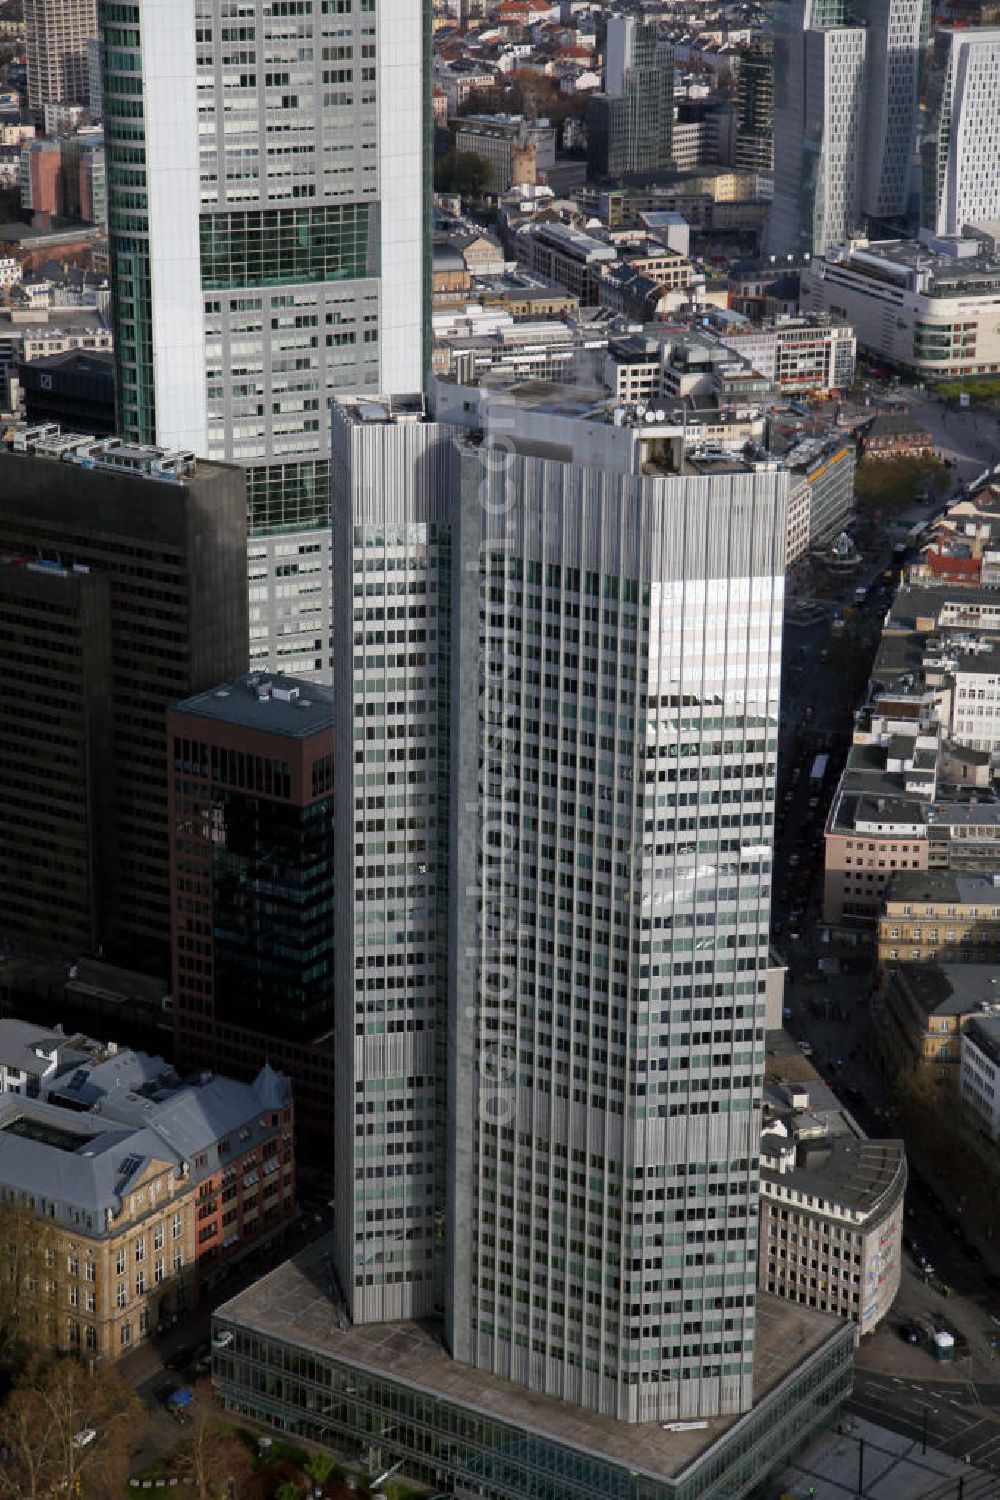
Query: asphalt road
{"x": 970, "y": 439}
{"x": 958, "y": 1417}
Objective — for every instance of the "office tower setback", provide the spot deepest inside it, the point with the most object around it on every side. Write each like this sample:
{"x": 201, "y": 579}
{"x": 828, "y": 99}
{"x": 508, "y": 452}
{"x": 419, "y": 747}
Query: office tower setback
{"x": 251, "y": 873}
{"x": 57, "y": 35}
{"x": 574, "y": 668}
{"x": 162, "y": 540}
{"x": 266, "y": 207}
{"x": 960, "y": 150}
{"x": 391, "y": 608}
{"x": 846, "y": 86}
{"x": 630, "y": 124}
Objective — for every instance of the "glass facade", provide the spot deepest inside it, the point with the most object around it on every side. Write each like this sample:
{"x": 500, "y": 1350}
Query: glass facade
{"x": 286, "y": 191}
{"x": 272, "y": 895}
{"x": 621, "y": 766}
{"x": 308, "y": 1393}
{"x": 288, "y": 497}
{"x": 128, "y": 223}
{"x": 273, "y": 246}
{"x": 391, "y": 652}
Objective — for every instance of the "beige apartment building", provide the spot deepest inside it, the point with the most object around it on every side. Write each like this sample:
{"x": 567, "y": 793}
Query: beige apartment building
{"x": 920, "y": 1012}
{"x": 103, "y": 1271}
{"x": 940, "y": 916}
{"x": 124, "y": 1188}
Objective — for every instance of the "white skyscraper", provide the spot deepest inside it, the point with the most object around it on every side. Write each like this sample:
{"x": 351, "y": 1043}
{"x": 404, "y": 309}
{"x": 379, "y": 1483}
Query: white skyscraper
{"x": 555, "y": 787}
{"x": 846, "y": 86}
{"x": 897, "y": 41}
{"x": 266, "y": 180}
{"x": 819, "y": 83}
{"x": 960, "y": 151}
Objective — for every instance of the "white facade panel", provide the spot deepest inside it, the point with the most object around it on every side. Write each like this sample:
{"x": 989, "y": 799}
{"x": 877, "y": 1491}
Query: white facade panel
{"x": 169, "y": 99}
{"x": 401, "y": 176}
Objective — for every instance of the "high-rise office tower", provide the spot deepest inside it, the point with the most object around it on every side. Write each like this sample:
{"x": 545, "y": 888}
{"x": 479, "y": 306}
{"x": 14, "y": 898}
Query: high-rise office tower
{"x": 57, "y": 35}
{"x": 630, "y": 124}
{"x": 57, "y": 823}
{"x": 960, "y": 150}
{"x": 391, "y": 610}
{"x": 846, "y": 85}
{"x": 819, "y": 124}
{"x": 556, "y": 767}
{"x": 897, "y": 43}
{"x": 166, "y": 538}
{"x": 754, "y": 148}
{"x": 251, "y": 877}
{"x": 266, "y": 176}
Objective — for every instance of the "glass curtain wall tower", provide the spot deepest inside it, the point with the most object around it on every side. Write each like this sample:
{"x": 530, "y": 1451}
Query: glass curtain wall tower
{"x": 560, "y": 821}
{"x": 846, "y": 95}
{"x": 266, "y": 181}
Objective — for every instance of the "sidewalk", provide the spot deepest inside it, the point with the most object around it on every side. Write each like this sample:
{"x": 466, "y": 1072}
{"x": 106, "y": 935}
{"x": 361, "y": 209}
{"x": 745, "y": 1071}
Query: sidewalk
{"x": 891, "y": 1467}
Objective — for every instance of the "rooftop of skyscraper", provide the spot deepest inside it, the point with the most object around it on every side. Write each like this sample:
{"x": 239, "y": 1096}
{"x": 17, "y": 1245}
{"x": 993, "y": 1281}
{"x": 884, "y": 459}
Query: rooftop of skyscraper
{"x": 294, "y": 1304}
{"x": 266, "y": 701}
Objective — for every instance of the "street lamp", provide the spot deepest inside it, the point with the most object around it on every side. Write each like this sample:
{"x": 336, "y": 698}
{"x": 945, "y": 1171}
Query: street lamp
{"x": 923, "y": 1434}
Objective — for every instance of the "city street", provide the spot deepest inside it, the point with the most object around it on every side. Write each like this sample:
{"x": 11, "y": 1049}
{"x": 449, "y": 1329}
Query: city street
{"x": 970, "y": 438}
{"x": 958, "y": 1417}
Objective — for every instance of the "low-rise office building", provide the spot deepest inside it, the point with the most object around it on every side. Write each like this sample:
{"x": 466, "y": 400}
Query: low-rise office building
{"x": 940, "y": 916}
{"x": 566, "y": 256}
{"x": 518, "y": 150}
{"x": 920, "y": 1012}
{"x": 831, "y": 1207}
{"x": 136, "y": 1184}
{"x": 927, "y": 308}
{"x": 979, "y": 1073}
{"x": 285, "y": 1356}
{"x": 892, "y": 435}
{"x": 814, "y": 354}
{"x": 915, "y": 791}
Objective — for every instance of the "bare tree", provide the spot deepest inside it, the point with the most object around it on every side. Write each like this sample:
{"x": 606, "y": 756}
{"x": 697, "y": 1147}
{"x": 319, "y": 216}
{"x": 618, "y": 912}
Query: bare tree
{"x": 63, "y": 1429}
{"x": 218, "y": 1464}
{"x": 27, "y": 1255}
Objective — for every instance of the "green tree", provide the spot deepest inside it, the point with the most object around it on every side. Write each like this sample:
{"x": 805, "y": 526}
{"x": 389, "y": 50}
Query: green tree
{"x": 462, "y": 172}
{"x": 321, "y": 1467}
{"x": 893, "y": 483}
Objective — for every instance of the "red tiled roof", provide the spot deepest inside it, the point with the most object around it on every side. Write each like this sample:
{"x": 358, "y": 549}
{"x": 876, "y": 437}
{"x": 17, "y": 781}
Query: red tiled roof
{"x": 953, "y": 567}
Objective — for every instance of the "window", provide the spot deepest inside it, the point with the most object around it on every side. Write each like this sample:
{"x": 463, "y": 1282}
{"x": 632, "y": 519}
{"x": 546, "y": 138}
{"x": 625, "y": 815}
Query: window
{"x": 122, "y": 1294}
{"x": 73, "y": 1265}
{"x": 91, "y": 1339}
{"x": 178, "y": 1259}
{"x": 140, "y": 1251}
{"x": 177, "y": 1228}
{"x": 74, "y": 1296}
{"x": 158, "y": 1270}
{"x": 120, "y": 1262}
{"x": 91, "y": 1271}
{"x": 91, "y": 1302}
{"x": 125, "y": 1333}
{"x": 158, "y": 1237}
{"x": 140, "y": 1283}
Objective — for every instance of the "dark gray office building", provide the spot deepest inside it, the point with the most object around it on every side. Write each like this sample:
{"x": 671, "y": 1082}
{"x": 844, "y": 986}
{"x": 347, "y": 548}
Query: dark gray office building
{"x": 126, "y": 592}
{"x": 630, "y": 124}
